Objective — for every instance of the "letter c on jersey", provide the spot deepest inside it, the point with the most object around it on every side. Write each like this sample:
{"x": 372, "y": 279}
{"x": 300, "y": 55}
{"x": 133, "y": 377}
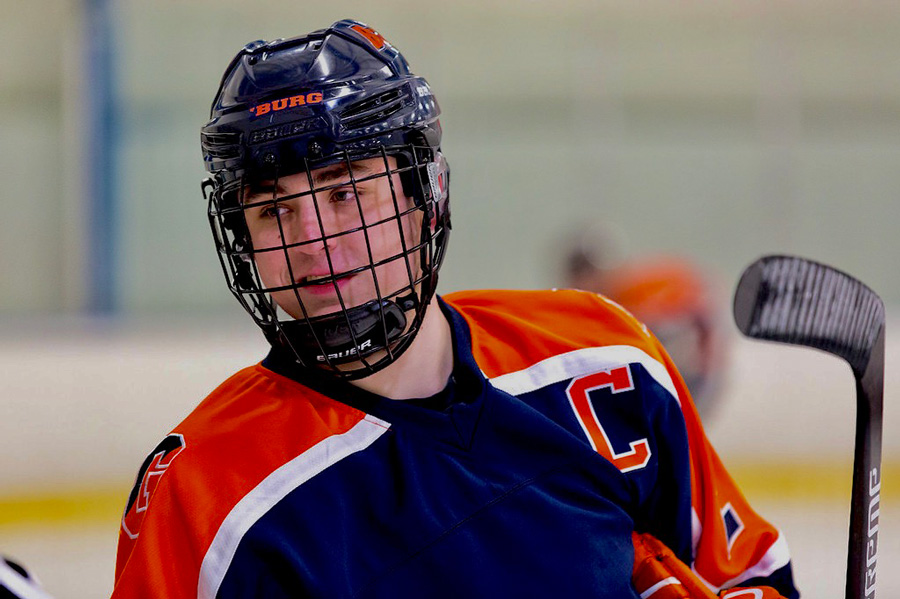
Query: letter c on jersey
{"x": 616, "y": 380}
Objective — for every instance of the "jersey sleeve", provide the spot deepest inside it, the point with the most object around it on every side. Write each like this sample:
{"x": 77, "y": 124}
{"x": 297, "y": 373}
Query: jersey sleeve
{"x": 160, "y": 549}
{"x": 730, "y": 544}
{"x": 187, "y": 507}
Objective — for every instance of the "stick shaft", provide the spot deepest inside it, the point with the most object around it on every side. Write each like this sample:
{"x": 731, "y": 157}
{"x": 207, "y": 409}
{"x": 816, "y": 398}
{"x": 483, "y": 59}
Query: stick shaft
{"x": 865, "y": 501}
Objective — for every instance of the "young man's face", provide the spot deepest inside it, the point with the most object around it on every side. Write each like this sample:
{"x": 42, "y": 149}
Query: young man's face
{"x": 329, "y": 232}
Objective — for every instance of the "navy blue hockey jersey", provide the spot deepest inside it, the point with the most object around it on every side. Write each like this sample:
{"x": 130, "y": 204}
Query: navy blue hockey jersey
{"x": 564, "y": 428}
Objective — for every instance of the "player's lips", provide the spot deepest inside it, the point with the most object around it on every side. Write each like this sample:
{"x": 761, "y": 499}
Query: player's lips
{"x": 322, "y": 284}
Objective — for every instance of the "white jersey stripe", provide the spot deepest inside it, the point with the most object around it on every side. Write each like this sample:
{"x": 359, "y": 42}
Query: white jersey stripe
{"x": 778, "y": 556}
{"x": 659, "y": 585}
{"x": 581, "y": 362}
{"x": 273, "y": 489}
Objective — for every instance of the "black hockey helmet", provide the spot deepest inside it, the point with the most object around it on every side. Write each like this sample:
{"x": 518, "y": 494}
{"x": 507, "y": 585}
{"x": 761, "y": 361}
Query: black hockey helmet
{"x": 334, "y": 97}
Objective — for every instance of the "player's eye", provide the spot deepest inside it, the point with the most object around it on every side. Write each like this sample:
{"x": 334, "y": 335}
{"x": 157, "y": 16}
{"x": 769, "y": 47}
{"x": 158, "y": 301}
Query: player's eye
{"x": 273, "y": 210}
{"x": 342, "y": 194}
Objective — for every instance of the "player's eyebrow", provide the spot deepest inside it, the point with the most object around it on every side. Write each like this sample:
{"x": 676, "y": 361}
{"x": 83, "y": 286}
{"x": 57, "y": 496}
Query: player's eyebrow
{"x": 256, "y": 188}
{"x": 339, "y": 172}
{"x": 323, "y": 177}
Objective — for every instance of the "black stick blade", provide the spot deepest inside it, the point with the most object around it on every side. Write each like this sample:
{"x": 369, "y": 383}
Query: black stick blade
{"x": 801, "y": 302}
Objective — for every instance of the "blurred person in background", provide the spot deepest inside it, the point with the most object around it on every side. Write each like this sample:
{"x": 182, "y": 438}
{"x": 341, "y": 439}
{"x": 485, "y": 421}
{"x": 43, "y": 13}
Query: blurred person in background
{"x": 398, "y": 443}
{"x": 672, "y": 295}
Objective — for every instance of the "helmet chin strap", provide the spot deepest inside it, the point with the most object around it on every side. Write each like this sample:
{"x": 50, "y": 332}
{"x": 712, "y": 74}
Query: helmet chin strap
{"x": 346, "y": 337}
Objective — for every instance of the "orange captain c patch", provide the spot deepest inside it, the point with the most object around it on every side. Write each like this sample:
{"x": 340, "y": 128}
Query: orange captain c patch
{"x": 615, "y": 380}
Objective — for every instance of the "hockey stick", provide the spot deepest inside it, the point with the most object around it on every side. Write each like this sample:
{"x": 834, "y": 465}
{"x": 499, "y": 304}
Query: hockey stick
{"x": 800, "y": 302}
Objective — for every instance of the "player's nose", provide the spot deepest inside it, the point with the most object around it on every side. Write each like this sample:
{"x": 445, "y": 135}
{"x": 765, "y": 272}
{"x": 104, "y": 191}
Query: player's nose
{"x": 311, "y": 227}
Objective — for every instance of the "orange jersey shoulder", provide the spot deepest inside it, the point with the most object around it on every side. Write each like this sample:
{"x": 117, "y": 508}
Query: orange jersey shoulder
{"x": 512, "y": 330}
{"x": 217, "y": 462}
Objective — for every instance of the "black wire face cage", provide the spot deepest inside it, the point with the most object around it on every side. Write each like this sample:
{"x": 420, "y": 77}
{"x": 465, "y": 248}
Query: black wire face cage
{"x": 336, "y": 260}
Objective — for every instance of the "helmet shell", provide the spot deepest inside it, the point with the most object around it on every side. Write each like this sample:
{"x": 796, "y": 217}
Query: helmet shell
{"x": 344, "y": 88}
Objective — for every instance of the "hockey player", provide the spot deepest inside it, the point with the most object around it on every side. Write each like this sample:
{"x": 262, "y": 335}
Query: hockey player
{"x": 397, "y": 443}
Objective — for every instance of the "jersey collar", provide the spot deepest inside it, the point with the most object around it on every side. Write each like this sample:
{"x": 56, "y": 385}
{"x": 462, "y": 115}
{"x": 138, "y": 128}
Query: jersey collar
{"x": 451, "y": 416}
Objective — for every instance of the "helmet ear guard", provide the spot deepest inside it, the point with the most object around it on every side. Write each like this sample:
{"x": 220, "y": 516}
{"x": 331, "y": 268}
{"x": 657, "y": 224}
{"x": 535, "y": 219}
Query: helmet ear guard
{"x": 439, "y": 184}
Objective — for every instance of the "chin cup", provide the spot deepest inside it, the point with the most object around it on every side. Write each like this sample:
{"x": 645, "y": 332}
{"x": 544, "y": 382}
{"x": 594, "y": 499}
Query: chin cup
{"x": 363, "y": 331}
